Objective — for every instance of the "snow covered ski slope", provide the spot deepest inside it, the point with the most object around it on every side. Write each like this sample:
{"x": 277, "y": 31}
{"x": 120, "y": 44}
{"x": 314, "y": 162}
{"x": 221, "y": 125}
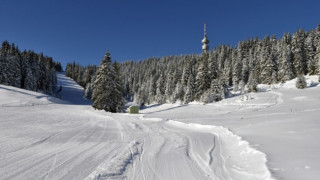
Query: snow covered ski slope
{"x": 46, "y": 138}
{"x": 280, "y": 120}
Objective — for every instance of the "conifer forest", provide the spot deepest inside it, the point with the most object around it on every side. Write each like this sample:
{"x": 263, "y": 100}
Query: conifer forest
{"x": 208, "y": 77}
{"x": 27, "y": 69}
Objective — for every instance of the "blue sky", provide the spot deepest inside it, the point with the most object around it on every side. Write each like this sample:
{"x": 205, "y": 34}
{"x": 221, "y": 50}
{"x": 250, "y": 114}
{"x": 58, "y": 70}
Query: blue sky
{"x": 82, "y": 30}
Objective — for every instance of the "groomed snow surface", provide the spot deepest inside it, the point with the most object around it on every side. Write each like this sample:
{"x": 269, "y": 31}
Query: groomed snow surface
{"x": 272, "y": 134}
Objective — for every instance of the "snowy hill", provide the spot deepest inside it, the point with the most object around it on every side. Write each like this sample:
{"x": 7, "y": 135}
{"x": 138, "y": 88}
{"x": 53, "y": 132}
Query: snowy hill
{"x": 46, "y": 138}
{"x": 281, "y": 121}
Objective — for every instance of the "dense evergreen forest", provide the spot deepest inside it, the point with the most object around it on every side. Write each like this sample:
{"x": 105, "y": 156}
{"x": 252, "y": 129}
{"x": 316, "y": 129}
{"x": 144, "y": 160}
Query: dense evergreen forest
{"x": 27, "y": 69}
{"x": 208, "y": 77}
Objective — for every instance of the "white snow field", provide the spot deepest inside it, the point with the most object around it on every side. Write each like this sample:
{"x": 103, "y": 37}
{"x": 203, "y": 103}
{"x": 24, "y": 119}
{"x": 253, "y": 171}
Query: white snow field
{"x": 42, "y": 137}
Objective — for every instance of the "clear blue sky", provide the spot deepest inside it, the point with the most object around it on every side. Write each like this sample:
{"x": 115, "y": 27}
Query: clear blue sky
{"x": 82, "y": 30}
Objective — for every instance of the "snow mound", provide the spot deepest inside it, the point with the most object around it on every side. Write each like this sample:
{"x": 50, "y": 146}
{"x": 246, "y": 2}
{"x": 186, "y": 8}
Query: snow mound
{"x": 115, "y": 166}
{"x": 238, "y": 160}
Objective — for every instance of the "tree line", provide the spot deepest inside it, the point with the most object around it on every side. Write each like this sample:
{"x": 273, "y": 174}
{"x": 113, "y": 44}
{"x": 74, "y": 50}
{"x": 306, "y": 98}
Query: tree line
{"x": 209, "y": 77}
{"x": 27, "y": 69}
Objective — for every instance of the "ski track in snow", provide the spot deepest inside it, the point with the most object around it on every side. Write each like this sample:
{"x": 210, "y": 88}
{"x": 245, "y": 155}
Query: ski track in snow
{"x": 73, "y": 141}
{"x": 230, "y": 157}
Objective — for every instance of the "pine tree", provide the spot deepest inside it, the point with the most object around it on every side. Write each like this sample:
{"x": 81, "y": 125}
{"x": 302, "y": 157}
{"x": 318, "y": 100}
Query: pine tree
{"x": 160, "y": 97}
{"x": 245, "y": 71}
{"x": 299, "y": 60}
{"x": 216, "y": 90}
{"x": 213, "y": 70}
{"x": 310, "y": 51}
{"x": 252, "y": 82}
{"x": 301, "y": 82}
{"x": 222, "y": 56}
{"x": 58, "y": 67}
{"x": 169, "y": 87}
{"x": 236, "y": 70}
{"x": 3, "y": 62}
{"x": 267, "y": 63}
{"x": 188, "y": 69}
{"x": 243, "y": 60}
{"x": 285, "y": 59}
{"x": 152, "y": 89}
{"x": 10, "y": 69}
{"x": 224, "y": 90}
{"x": 105, "y": 87}
{"x": 317, "y": 49}
{"x": 258, "y": 52}
{"x": 178, "y": 92}
{"x": 30, "y": 81}
{"x": 227, "y": 71}
{"x": 141, "y": 96}
{"x": 119, "y": 101}
{"x": 202, "y": 78}
{"x": 189, "y": 96}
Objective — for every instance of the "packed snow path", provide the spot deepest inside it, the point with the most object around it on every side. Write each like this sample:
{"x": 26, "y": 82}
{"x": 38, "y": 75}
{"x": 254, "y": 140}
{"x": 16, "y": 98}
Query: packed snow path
{"x": 71, "y": 91}
{"x": 45, "y": 138}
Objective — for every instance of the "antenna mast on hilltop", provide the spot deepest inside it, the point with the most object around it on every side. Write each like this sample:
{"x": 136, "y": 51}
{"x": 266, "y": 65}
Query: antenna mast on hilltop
{"x": 205, "y": 30}
{"x": 205, "y": 41}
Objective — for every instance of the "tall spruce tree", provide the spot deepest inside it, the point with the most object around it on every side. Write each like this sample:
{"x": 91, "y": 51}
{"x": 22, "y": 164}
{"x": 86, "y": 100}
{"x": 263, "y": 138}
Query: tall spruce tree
{"x": 178, "y": 93}
{"x": 187, "y": 69}
{"x": 236, "y": 70}
{"x": 118, "y": 100}
{"x": 189, "y": 95}
{"x": 285, "y": 64}
{"x": 202, "y": 78}
{"x": 267, "y": 63}
{"x": 160, "y": 97}
{"x": 216, "y": 90}
{"x": 105, "y": 88}
{"x": 317, "y": 49}
{"x": 227, "y": 71}
{"x": 169, "y": 86}
{"x": 252, "y": 82}
{"x": 152, "y": 89}
{"x": 299, "y": 60}
{"x": 310, "y": 51}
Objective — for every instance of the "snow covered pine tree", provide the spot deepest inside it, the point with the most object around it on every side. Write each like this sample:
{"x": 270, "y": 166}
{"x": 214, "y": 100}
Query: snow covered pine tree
{"x": 106, "y": 93}
{"x": 301, "y": 82}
